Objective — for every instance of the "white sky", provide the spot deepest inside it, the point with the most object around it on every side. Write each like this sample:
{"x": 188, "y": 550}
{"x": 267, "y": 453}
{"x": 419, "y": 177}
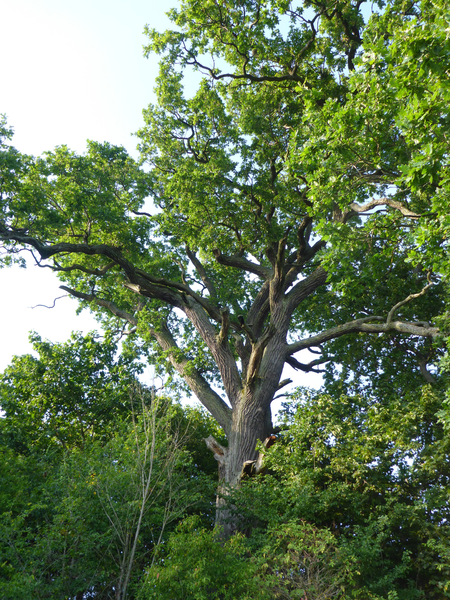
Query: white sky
{"x": 71, "y": 70}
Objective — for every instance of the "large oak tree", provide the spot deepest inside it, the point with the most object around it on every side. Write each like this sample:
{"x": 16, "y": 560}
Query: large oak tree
{"x": 299, "y": 197}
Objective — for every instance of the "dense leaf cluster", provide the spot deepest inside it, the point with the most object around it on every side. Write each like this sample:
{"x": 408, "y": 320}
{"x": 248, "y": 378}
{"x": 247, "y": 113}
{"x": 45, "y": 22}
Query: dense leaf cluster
{"x": 95, "y": 472}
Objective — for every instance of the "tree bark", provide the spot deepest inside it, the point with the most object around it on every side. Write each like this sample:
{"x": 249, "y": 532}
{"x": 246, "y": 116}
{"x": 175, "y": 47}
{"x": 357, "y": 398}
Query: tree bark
{"x": 250, "y": 424}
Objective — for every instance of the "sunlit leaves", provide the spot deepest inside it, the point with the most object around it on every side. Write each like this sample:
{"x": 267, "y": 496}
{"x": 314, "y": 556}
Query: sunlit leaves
{"x": 69, "y": 394}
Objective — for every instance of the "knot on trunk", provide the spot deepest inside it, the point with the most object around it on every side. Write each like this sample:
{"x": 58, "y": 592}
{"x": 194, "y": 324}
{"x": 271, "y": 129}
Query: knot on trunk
{"x": 220, "y": 453}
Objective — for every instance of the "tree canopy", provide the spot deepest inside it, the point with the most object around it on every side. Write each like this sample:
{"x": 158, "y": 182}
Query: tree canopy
{"x": 298, "y": 200}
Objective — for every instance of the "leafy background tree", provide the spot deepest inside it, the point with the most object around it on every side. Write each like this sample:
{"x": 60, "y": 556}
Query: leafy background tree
{"x": 69, "y": 394}
{"x": 96, "y": 471}
{"x": 375, "y": 473}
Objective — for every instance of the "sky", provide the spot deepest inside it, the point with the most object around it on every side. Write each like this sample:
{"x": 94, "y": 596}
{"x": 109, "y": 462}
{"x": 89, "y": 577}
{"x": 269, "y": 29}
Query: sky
{"x": 71, "y": 70}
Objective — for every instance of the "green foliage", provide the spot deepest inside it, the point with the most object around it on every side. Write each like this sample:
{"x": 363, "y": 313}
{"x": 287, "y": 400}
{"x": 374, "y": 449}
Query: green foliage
{"x": 69, "y": 525}
{"x": 295, "y": 560}
{"x": 70, "y": 393}
{"x": 199, "y": 565}
{"x": 374, "y": 473}
{"x": 95, "y": 472}
{"x": 298, "y": 560}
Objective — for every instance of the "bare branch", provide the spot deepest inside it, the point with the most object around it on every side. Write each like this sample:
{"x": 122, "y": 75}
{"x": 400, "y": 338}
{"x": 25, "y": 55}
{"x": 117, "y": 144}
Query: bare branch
{"x": 395, "y": 308}
{"x": 356, "y": 209}
{"x": 53, "y": 305}
{"x": 242, "y": 263}
{"x": 364, "y": 325}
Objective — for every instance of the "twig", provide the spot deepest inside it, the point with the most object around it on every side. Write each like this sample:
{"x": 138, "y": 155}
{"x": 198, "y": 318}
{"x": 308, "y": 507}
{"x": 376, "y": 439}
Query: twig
{"x": 54, "y": 302}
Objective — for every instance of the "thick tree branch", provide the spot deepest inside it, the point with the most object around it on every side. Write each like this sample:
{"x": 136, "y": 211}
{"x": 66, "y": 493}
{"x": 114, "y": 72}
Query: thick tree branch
{"x": 202, "y": 272}
{"x": 277, "y": 280}
{"x": 257, "y": 354}
{"x": 139, "y": 282}
{"x": 305, "y": 288}
{"x": 148, "y": 290}
{"x": 48, "y": 250}
{"x": 420, "y": 329}
{"x": 297, "y": 260}
{"x": 242, "y": 263}
{"x": 259, "y": 310}
{"x": 147, "y": 285}
{"x": 309, "y": 367}
{"x": 357, "y": 209}
{"x": 364, "y": 325}
{"x": 162, "y": 289}
{"x": 219, "y": 348}
{"x": 198, "y": 384}
{"x": 217, "y": 345}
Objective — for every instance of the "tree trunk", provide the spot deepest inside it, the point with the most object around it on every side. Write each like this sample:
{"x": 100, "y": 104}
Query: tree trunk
{"x": 250, "y": 424}
{"x": 251, "y": 421}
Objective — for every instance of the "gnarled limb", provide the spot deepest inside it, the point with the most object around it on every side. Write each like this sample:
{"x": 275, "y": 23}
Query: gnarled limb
{"x": 364, "y": 325}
